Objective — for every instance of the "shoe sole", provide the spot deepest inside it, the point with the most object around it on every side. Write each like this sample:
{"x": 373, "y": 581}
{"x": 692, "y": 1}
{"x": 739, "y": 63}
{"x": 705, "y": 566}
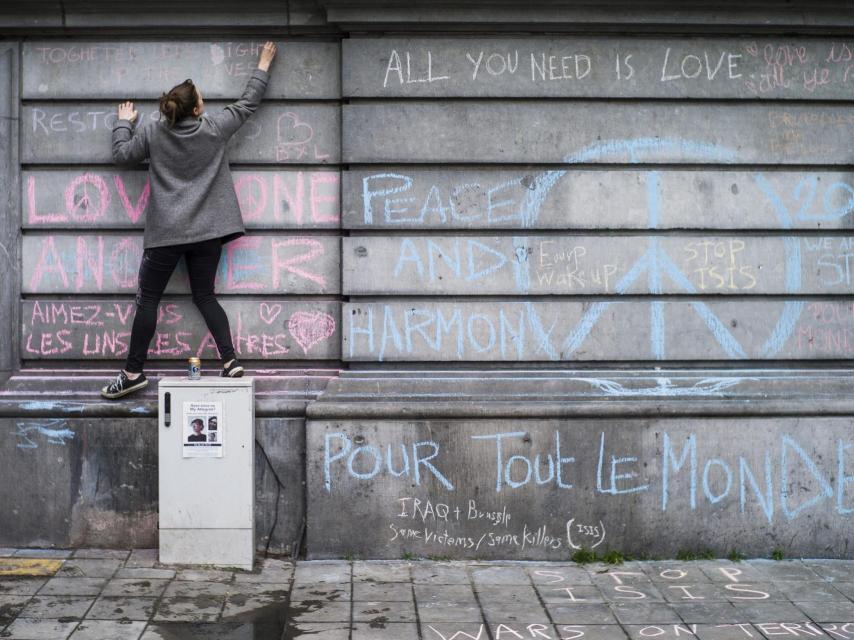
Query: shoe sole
{"x": 237, "y": 372}
{"x": 113, "y": 396}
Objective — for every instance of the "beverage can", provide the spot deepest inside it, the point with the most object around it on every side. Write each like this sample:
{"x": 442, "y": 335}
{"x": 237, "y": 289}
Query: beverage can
{"x": 194, "y": 371}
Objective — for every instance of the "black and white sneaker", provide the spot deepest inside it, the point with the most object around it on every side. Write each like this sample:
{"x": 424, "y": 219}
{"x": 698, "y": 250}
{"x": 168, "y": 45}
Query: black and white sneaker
{"x": 234, "y": 370}
{"x": 123, "y": 385}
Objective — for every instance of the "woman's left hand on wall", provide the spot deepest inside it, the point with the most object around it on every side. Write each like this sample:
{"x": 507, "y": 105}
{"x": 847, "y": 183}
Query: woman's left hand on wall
{"x": 127, "y": 112}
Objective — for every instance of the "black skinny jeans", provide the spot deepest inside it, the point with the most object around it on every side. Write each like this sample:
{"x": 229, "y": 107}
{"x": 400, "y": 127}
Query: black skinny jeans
{"x": 156, "y": 268}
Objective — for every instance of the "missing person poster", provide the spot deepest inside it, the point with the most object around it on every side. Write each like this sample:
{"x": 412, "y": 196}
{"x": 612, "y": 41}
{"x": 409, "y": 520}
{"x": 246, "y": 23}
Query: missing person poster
{"x": 203, "y": 429}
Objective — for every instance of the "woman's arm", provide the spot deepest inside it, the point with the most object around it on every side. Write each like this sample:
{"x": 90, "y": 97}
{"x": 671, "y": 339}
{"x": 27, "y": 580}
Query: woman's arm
{"x": 130, "y": 146}
{"x": 232, "y": 116}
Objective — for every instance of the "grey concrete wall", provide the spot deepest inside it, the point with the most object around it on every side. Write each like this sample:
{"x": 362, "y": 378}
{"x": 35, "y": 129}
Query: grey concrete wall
{"x": 540, "y": 489}
{"x": 99, "y": 328}
{"x": 91, "y": 198}
{"x": 687, "y": 200}
{"x": 74, "y": 480}
{"x": 101, "y": 263}
{"x": 597, "y": 66}
{"x": 145, "y": 69}
{"x": 503, "y": 330}
{"x": 75, "y": 213}
{"x": 451, "y": 198}
{"x": 10, "y": 226}
{"x": 603, "y": 264}
{"x": 79, "y": 482}
{"x": 670, "y": 159}
{"x": 278, "y": 132}
{"x": 598, "y": 132}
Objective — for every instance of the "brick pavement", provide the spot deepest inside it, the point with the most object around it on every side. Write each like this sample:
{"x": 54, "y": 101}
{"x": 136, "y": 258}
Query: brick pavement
{"x": 94, "y": 594}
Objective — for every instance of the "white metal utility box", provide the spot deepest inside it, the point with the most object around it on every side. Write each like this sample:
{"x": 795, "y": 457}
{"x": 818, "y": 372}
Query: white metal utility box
{"x": 206, "y": 437}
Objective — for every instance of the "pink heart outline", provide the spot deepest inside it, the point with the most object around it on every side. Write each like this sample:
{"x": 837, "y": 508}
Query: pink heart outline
{"x": 269, "y": 312}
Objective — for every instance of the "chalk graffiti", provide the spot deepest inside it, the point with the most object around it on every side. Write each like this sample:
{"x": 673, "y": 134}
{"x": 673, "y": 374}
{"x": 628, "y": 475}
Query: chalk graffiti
{"x": 295, "y": 139}
{"x": 308, "y": 329}
{"x": 108, "y": 263}
{"x": 761, "y": 480}
{"x": 583, "y": 65}
{"x": 53, "y": 431}
{"x": 712, "y": 264}
{"x": 101, "y": 329}
{"x": 289, "y": 198}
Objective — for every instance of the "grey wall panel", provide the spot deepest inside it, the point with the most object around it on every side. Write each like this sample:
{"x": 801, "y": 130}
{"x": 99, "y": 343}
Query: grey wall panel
{"x": 253, "y": 264}
{"x": 10, "y": 224}
{"x": 274, "y": 329}
{"x": 592, "y": 67}
{"x": 69, "y": 199}
{"x": 676, "y": 17}
{"x": 93, "y": 69}
{"x": 79, "y": 482}
{"x": 595, "y": 132}
{"x": 496, "y": 330}
{"x": 540, "y": 489}
{"x": 461, "y": 265}
{"x": 93, "y": 482}
{"x": 278, "y": 133}
{"x": 279, "y": 483}
{"x": 399, "y": 197}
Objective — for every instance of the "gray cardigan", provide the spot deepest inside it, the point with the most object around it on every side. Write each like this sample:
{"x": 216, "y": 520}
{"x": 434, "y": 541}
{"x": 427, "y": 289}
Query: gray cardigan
{"x": 192, "y": 191}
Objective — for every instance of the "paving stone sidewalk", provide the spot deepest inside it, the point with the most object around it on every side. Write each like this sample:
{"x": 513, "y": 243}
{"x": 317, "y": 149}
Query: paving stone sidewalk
{"x": 96, "y": 594}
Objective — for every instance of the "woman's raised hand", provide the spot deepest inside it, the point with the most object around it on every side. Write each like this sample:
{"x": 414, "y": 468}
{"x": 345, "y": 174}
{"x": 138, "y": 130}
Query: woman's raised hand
{"x": 127, "y": 112}
{"x": 268, "y": 52}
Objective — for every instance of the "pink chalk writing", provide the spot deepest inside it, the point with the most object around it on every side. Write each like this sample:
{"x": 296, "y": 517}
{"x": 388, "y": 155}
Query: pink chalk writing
{"x": 101, "y": 329}
{"x": 134, "y": 211}
{"x": 280, "y": 198}
{"x": 108, "y": 263}
{"x": 289, "y": 264}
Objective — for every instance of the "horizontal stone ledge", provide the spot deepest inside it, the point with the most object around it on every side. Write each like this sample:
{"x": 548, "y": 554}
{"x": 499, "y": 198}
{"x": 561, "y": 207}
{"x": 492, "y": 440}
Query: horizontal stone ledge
{"x": 254, "y": 264}
{"x": 94, "y": 198}
{"x": 549, "y": 17}
{"x": 95, "y": 69}
{"x": 597, "y": 67}
{"x": 594, "y": 132}
{"x": 611, "y": 330}
{"x": 546, "y": 393}
{"x": 100, "y": 328}
{"x": 298, "y": 133}
{"x": 460, "y": 265}
{"x": 413, "y": 409}
{"x": 400, "y": 197}
{"x": 142, "y": 409}
{"x": 59, "y": 394}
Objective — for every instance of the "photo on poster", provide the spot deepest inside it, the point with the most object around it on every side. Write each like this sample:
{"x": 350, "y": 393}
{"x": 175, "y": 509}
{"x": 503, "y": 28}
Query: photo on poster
{"x": 203, "y": 430}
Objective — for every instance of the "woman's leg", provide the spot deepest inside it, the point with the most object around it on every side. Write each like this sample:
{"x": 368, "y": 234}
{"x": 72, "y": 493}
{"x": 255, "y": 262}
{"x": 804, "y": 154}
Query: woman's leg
{"x": 154, "y": 272}
{"x": 202, "y": 262}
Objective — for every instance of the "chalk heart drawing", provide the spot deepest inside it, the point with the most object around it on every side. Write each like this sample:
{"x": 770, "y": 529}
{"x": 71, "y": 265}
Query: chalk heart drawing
{"x": 310, "y": 328}
{"x": 657, "y": 265}
{"x": 269, "y": 312}
{"x": 290, "y": 130}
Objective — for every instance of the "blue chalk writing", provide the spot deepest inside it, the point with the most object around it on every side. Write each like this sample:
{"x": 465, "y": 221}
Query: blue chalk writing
{"x": 614, "y": 476}
{"x": 689, "y": 452}
{"x": 707, "y": 488}
{"x": 766, "y": 501}
{"x": 826, "y": 490}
